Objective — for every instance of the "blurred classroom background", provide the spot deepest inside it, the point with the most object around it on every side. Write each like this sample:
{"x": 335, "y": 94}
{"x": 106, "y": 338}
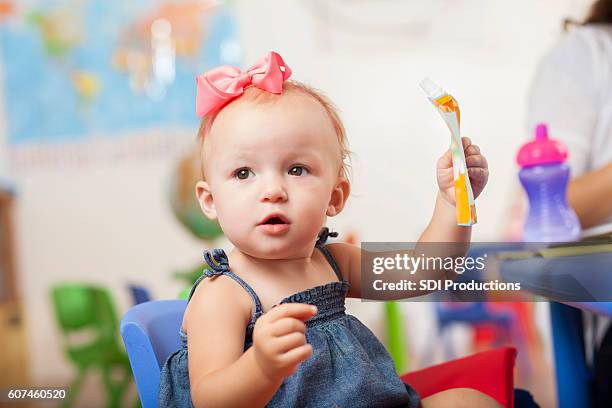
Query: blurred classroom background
{"x": 98, "y": 126}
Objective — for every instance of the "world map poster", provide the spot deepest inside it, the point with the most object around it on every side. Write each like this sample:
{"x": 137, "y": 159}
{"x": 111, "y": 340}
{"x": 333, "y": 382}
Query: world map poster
{"x": 75, "y": 70}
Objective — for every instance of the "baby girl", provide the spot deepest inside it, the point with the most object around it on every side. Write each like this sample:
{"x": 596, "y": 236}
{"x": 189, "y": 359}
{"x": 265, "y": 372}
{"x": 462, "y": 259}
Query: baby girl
{"x": 271, "y": 329}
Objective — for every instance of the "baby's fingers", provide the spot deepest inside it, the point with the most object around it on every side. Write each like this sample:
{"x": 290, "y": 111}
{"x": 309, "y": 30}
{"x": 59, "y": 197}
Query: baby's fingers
{"x": 290, "y": 341}
{"x": 301, "y": 311}
{"x": 297, "y": 355}
{"x": 476, "y": 161}
{"x": 445, "y": 161}
{"x": 466, "y": 141}
{"x": 472, "y": 150}
{"x": 478, "y": 173}
{"x": 287, "y": 325}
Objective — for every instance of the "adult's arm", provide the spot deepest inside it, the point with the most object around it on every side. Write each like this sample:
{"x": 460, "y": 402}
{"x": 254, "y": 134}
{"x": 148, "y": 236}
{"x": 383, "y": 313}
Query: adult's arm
{"x": 566, "y": 95}
{"x": 590, "y": 195}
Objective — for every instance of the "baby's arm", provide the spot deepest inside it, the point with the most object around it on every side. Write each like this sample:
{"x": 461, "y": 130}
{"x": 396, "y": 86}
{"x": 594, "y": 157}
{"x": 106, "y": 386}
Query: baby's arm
{"x": 349, "y": 259}
{"x": 443, "y": 225}
{"x": 356, "y": 264}
{"x": 446, "y": 238}
{"x": 220, "y": 372}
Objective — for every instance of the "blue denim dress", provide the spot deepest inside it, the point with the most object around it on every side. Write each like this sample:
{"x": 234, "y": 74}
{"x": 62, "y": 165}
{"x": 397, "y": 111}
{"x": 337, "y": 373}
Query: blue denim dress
{"x": 349, "y": 367}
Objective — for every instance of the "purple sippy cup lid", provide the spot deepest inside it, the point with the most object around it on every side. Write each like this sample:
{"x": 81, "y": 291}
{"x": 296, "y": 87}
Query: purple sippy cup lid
{"x": 542, "y": 150}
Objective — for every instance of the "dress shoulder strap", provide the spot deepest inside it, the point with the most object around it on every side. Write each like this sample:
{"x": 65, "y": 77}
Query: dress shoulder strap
{"x": 321, "y": 240}
{"x": 218, "y": 264}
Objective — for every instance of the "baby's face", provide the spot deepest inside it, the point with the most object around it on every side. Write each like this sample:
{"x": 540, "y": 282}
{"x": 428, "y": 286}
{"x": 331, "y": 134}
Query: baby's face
{"x": 272, "y": 175}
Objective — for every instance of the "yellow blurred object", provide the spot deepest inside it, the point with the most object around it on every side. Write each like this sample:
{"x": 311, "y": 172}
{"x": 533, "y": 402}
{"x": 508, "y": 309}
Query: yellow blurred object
{"x": 86, "y": 84}
{"x": 461, "y": 199}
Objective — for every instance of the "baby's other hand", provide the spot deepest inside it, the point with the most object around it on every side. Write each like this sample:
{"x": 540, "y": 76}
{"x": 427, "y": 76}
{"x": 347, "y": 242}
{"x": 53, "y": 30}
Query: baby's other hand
{"x": 478, "y": 171}
{"x": 279, "y": 339}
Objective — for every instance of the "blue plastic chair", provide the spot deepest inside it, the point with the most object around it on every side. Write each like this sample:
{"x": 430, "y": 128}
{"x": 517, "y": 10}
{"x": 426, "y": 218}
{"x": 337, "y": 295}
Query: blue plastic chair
{"x": 150, "y": 332}
{"x": 472, "y": 314}
{"x": 139, "y": 294}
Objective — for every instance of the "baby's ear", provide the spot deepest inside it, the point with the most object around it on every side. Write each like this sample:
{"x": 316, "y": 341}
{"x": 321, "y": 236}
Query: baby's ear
{"x": 207, "y": 203}
{"x": 338, "y": 197}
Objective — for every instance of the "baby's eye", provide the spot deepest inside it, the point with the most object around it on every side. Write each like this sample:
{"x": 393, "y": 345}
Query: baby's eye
{"x": 298, "y": 171}
{"x": 242, "y": 174}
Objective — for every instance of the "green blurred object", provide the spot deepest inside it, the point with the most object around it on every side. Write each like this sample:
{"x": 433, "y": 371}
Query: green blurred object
{"x": 87, "y": 313}
{"x": 186, "y": 209}
{"x": 183, "y": 201}
{"x": 396, "y": 340}
{"x": 184, "y": 294}
{"x": 189, "y": 276}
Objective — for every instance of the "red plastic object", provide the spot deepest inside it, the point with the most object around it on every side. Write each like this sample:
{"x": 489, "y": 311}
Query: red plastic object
{"x": 490, "y": 372}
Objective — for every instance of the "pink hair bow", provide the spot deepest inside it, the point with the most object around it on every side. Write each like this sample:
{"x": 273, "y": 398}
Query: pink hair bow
{"x": 220, "y": 85}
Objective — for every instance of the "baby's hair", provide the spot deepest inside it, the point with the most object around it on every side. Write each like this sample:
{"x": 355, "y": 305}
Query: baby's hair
{"x": 257, "y": 95}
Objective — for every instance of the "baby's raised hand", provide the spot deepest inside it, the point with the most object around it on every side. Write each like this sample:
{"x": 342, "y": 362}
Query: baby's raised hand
{"x": 279, "y": 339}
{"x": 478, "y": 171}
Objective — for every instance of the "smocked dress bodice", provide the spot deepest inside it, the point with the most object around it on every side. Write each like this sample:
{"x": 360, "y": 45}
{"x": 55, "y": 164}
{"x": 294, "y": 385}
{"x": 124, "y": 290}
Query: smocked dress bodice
{"x": 349, "y": 367}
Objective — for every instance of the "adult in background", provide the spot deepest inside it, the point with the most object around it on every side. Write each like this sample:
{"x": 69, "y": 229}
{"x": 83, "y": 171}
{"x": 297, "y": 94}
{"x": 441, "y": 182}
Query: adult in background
{"x": 572, "y": 93}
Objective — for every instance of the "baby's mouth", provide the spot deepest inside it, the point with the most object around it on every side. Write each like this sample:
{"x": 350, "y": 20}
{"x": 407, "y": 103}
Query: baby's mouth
{"x": 275, "y": 225}
{"x": 274, "y": 219}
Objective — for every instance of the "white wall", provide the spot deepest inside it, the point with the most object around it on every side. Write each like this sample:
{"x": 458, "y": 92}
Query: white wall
{"x": 110, "y": 223}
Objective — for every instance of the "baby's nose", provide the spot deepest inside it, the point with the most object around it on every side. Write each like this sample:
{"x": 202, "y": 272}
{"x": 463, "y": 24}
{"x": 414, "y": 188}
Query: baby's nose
{"x": 275, "y": 193}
